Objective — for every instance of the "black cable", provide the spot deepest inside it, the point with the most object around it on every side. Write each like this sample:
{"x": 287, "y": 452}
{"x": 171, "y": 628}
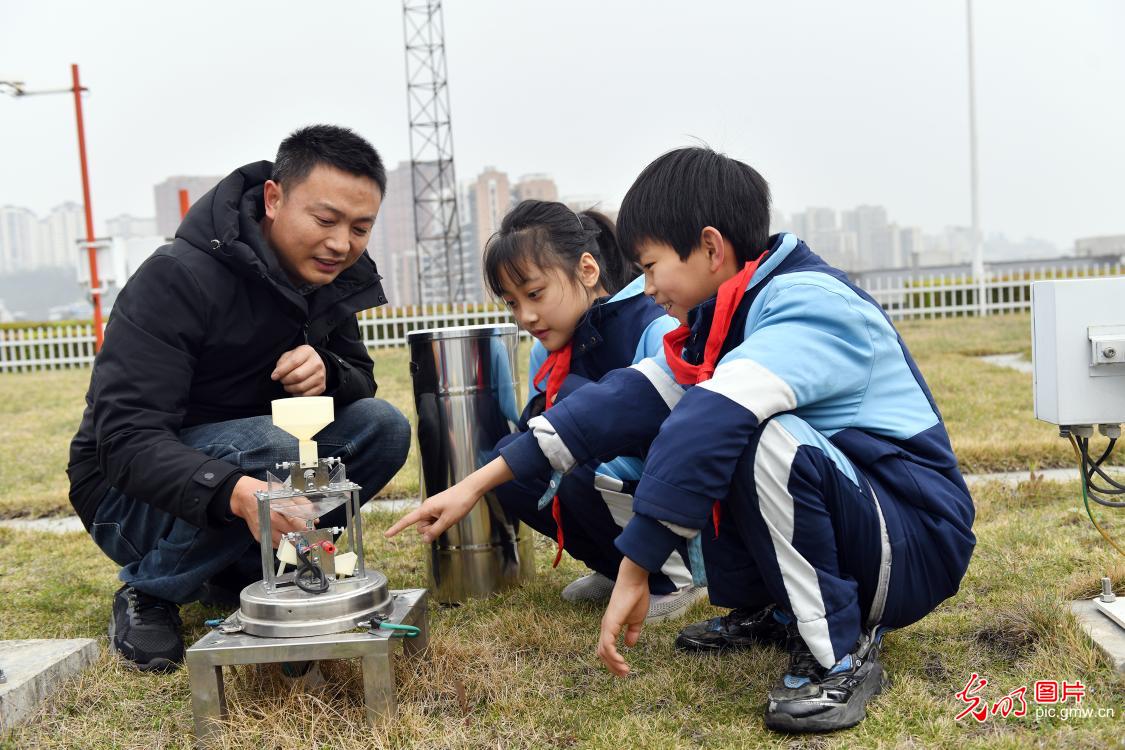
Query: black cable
{"x": 1107, "y": 451}
{"x": 319, "y": 582}
{"x": 1097, "y": 468}
{"x": 1089, "y": 468}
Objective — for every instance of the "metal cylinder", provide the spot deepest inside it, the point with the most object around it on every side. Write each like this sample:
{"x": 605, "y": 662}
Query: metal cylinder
{"x": 466, "y": 399}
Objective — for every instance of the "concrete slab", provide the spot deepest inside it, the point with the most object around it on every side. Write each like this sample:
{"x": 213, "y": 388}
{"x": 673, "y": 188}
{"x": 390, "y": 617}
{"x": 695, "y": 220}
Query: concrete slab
{"x": 395, "y": 506}
{"x": 1012, "y": 361}
{"x": 34, "y": 668}
{"x": 1012, "y": 478}
{"x": 1107, "y": 634}
{"x": 53, "y": 524}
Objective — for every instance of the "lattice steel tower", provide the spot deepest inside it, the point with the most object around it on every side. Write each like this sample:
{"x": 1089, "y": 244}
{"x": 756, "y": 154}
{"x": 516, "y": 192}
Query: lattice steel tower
{"x": 437, "y": 227}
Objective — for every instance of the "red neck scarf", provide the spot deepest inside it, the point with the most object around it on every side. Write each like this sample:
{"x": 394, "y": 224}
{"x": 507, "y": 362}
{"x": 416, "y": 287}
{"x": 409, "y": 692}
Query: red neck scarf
{"x": 555, "y": 369}
{"x": 726, "y": 302}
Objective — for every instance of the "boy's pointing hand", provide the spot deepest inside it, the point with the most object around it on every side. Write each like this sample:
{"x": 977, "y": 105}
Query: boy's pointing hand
{"x": 627, "y": 609}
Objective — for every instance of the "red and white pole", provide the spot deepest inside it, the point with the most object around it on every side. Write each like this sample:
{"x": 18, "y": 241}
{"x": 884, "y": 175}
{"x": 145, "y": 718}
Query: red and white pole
{"x": 91, "y": 250}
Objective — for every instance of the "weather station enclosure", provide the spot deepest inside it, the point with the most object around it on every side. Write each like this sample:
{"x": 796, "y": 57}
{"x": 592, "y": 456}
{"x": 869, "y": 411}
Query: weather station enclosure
{"x": 1078, "y": 350}
{"x": 1078, "y": 358}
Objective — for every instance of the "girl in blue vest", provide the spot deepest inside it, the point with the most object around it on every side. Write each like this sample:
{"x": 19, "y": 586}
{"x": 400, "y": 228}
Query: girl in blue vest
{"x": 570, "y": 286}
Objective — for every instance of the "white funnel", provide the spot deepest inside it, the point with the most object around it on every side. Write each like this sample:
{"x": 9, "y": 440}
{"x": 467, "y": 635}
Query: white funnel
{"x": 302, "y": 417}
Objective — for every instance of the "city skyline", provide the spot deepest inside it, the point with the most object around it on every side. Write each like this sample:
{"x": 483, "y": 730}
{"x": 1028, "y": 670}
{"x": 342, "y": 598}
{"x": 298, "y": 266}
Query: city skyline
{"x": 863, "y": 237}
{"x": 836, "y": 104}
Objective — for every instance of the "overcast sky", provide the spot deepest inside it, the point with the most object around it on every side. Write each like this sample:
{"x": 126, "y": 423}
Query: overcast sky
{"x": 836, "y": 103}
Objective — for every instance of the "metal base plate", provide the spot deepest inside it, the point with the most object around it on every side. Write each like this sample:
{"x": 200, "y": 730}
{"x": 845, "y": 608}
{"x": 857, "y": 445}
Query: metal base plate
{"x": 289, "y": 612}
{"x": 219, "y": 648}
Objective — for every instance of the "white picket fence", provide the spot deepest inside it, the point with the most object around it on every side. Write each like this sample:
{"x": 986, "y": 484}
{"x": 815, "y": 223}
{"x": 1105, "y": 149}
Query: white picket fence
{"x": 947, "y": 295}
{"x": 384, "y": 327}
{"x": 46, "y": 347}
{"x": 33, "y": 348}
{"x": 37, "y": 347}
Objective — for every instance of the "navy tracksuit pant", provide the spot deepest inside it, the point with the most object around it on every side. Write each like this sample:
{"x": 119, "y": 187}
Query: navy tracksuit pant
{"x": 803, "y": 528}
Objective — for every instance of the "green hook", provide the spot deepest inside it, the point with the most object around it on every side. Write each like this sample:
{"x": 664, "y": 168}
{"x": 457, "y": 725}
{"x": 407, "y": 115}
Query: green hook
{"x": 408, "y": 631}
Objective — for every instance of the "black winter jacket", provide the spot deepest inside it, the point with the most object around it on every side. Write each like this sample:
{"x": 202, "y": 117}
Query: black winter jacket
{"x": 192, "y": 339}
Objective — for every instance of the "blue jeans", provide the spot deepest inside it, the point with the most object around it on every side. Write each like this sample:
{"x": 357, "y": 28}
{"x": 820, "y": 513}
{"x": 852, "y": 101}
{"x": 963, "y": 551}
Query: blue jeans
{"x": 167, "y": 557}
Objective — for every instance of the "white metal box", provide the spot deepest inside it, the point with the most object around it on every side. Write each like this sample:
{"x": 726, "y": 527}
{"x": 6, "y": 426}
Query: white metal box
{"x": 1078, "y": 350}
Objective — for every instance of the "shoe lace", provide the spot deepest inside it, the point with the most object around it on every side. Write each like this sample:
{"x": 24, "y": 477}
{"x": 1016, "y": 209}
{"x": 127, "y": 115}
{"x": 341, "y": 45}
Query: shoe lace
{"x": 802, "y": 663}
{"x": 154, "y": 611}
{"x": 740, "y": 616}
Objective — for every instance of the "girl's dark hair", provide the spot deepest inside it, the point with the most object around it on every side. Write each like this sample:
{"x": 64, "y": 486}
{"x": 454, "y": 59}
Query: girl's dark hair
{"x": 550, "y": 235}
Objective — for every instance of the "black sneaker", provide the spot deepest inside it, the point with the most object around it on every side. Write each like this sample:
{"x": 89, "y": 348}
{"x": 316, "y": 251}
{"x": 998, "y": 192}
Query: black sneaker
{"x": 146, "y": 630}
{"x": 740, "y": 628}
{"x": 810, "y": 698}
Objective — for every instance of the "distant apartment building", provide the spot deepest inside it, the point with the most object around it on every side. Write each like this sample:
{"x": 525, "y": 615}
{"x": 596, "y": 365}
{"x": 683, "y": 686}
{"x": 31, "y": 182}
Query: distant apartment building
{"x": 481, "y": 203}
{"x": 167, "y": 197}
{"x": 59, "y": 233}
{"x": 537, "y": 187}
{"x": 1110, "y": 244}
{"x": 128, "y": 226}
{"x": 878, "y": 242}
{"x": 394, "y": 247}
{"x": 18, "y": 229}
{"x": 28, "y": 243}
{"x": 491, "y": 197}
{"x": 778, "y": 222}
{"x": 862, "y": 239}
{"x": 392, "y": 238}
{"x": 910, "y": 245}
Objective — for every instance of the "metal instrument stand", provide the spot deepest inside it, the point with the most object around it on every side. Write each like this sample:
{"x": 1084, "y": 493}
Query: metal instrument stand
{"x": 206, "y": 659}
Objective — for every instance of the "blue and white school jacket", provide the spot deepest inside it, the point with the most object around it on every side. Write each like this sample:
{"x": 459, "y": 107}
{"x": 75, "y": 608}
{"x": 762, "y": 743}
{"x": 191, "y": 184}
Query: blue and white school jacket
{"x": 803, "y": 340}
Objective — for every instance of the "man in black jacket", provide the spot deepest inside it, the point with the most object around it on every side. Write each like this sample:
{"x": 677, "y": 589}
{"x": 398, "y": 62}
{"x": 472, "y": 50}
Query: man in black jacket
{"x": 254, "y": 300}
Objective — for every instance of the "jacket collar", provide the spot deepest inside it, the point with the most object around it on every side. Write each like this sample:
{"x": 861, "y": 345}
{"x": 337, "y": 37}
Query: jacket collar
{"x": 587, "y": 334}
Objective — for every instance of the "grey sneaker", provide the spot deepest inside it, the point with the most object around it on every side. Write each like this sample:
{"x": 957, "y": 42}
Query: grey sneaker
{"x": 589, "y": 588}
{"x": 674, "y": 605}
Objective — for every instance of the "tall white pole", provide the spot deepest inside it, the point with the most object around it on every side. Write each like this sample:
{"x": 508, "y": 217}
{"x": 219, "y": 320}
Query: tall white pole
{"x": 978, "y": 246}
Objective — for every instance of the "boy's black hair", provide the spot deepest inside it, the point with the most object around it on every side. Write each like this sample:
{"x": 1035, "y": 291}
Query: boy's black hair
{"x": 550, "y": 235}
{"x": 688, "y": 189}
{"x": 326, "y": 144}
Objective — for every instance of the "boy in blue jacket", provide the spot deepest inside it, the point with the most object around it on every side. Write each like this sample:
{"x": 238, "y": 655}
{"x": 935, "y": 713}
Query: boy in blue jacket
{"x": 791, "y": 440}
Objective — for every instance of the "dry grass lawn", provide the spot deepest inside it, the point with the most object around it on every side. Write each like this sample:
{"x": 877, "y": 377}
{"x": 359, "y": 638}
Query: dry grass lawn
{"x": 519, "y": 670}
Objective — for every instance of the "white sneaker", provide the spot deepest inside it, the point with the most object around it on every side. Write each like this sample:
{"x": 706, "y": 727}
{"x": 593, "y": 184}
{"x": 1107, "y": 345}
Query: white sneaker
{"x": 589, "y": 588}
{"x": 674, "y": 605}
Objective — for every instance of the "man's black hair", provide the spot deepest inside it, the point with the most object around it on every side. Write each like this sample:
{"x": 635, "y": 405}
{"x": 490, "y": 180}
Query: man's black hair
{"x": 688, "y": 189}
{"x": 326, "y": 144}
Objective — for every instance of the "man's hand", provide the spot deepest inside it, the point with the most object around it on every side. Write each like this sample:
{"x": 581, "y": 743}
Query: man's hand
{"x": 439, "y": 512}
{"x": 244, "y": 504}
{"x": 301, "y": 372}
{"x": 627, "y": 609}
